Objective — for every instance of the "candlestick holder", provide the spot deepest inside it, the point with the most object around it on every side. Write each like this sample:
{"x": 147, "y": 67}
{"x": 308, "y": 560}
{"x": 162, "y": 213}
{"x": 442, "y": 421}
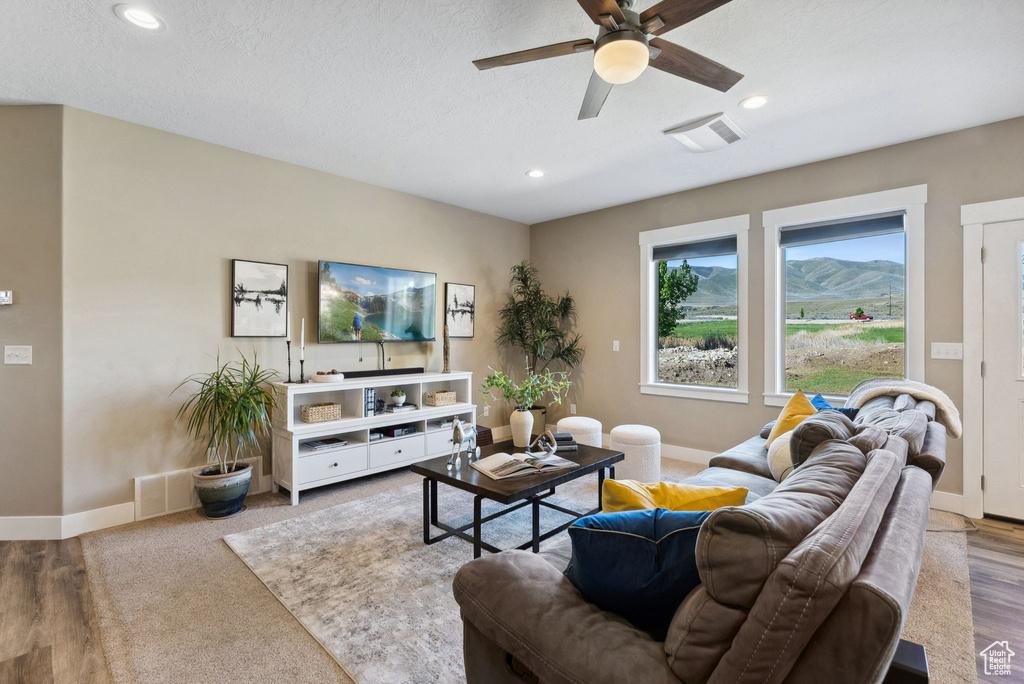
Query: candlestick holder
{"x": 289, "y": 343}
{"x": 302, "y": 371}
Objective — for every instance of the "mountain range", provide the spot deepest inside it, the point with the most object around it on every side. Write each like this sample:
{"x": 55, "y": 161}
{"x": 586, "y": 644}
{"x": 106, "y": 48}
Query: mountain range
{"x": 806, "y": 281}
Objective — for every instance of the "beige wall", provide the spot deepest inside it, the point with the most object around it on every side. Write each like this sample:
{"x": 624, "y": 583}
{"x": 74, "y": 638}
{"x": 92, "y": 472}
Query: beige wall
{"x": 974, "y": 165}
{"x": 151, "y": 223}
{"x": 30, "y": 264}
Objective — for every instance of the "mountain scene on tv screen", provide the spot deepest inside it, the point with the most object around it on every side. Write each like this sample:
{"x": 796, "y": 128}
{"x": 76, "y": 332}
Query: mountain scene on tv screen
{"x": 363, "y": 303}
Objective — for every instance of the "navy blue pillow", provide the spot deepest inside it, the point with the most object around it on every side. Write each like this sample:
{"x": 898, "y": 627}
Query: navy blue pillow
{"x": 639, "y": 564}
{"x": 821, "y": 403}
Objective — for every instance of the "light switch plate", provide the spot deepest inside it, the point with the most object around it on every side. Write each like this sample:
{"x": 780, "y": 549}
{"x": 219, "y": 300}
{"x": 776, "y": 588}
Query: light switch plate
{"x": 947, "y": 350}
{"x": 6, "y": 297}
{"x": 572, "y": 409}
{"x": 615, "y": 345}
{"x": 17, "y": 356}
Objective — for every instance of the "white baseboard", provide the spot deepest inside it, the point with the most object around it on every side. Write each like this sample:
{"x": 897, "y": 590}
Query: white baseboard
{"x": 28, "y": 528}
{"x": 944, "y": 501}
{"x": 676, "y": 453}
{"x": 96, "y": 519}
{"x": 45, "y": 527}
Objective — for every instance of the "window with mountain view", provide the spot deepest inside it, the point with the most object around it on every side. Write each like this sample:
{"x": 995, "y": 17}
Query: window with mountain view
{"x": 697, "y": 313}
{"x": 844, "y": 313}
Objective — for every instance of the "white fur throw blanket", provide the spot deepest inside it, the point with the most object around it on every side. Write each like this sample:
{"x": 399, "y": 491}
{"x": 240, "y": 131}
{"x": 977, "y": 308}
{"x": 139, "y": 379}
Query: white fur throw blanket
{"x": 945, "y": 411}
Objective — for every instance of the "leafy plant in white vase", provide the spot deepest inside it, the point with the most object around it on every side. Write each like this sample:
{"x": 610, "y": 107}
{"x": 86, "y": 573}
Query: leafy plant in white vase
{"x": 524, "y": 396}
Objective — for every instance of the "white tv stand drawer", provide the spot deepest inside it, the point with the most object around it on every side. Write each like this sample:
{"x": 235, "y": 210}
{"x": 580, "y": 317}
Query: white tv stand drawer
{"x": 397, "y": 450}
{"x": 439, "y": 442}
{"x": 331, "y": 464}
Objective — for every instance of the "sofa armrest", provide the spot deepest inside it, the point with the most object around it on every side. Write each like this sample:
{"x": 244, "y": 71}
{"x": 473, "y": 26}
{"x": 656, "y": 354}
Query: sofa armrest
{"x": 525, "y": 606}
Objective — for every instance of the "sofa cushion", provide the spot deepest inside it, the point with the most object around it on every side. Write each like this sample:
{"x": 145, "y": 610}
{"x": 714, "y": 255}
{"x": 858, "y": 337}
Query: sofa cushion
{"x": 867, "y": 438}
{"x": 739, "y": 548}
{"x": 700, "y": 634}
{"x": 809, "y": 582}
{"x": 637, "y": 564}
{"x": 532, "y": 611}
{"x": 909, "y": 424}
{"x": 798, "y": 409}
{"x": 750, "y": 456}
{"x": 630, "y": 495}
{"x": 767, "y": 429}
{"x": 815, "y": 430}
{"x": 932, "y": 457}
{"x": 904, "y": 402}
{"x": 756, "y": 485}
{"x": 780, "y": 459}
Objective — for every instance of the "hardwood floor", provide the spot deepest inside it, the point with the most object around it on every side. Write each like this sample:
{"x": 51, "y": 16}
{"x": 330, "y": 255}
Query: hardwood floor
{"x": 49, "y": 632}
{"x": 48, "y": 627}
{"x": 996, "y": 554}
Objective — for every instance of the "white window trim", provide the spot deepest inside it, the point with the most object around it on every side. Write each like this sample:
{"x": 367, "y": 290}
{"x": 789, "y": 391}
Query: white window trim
{"x": 704, "y": 230}
{"x": 910, "y": 199}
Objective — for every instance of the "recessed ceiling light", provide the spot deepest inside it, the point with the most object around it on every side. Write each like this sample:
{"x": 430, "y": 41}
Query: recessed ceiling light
{"x": 754, "y": 102}
{"x": 140, "y": 16}
{"x": 535, "y": 173}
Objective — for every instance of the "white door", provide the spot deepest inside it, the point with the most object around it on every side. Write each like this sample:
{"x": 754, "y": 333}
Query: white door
{"x": 1004, "y": 369}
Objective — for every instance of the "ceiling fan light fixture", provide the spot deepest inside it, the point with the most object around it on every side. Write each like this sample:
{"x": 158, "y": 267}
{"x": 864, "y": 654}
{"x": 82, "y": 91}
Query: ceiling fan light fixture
{"x": 621, "y": 56}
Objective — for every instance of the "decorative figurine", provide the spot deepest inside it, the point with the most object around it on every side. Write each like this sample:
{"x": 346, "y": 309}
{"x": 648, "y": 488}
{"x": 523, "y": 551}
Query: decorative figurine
{"x": 462, "y": 434}
{"x": 447, "y": 351}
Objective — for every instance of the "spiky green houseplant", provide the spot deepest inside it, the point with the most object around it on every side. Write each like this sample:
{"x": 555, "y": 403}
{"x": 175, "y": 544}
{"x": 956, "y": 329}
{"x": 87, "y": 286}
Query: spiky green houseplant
{"x": 230, "y": 410}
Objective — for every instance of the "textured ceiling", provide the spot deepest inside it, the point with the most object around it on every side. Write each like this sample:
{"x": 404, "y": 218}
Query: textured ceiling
{"x": 383, "y": 91}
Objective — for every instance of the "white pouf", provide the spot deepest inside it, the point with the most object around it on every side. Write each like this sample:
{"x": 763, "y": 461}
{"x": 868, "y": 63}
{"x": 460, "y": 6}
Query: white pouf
{"x": 642, "y": 446}
{"x": 583, "y": 430}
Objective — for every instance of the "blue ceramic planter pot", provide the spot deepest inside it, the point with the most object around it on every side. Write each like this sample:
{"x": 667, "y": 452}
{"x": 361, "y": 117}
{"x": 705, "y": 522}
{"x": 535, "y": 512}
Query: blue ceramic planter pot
{"x": 222, "y": 495}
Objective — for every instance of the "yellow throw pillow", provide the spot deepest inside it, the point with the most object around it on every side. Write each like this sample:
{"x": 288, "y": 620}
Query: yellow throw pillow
{"x": 798, "y": 409}
{"x": 630, "y": 495}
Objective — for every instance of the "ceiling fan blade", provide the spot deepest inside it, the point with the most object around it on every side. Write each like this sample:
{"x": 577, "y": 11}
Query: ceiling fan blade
{"x": 675, "y": 59}
{"x": 596, "y": 8}
{"x": 597, "y": 93}
{"x": 557, "y": 50}
{"x": 675, "y": 13}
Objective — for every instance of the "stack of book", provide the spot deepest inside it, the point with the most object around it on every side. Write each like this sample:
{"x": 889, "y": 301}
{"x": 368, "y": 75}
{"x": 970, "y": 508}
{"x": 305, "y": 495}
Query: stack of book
{"x": 325, "y": 443}
{"x": 401, "y": 408}
{"x": 565, "y": 442}
{"x": 369, "y": 402}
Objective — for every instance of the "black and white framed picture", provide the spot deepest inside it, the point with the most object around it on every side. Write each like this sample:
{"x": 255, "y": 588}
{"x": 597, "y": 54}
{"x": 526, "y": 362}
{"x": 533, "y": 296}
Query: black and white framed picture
{"x": 259, "y": 299}
{"x": 459, "y": 309}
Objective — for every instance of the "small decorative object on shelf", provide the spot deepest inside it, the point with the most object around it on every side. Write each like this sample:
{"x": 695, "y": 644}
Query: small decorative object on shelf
{"x": 328, "y": 376}
{"x": 288, "y": 343}
{"x": 397, "y": 397}
{"x": 320, "y": 413}
{"x": 447, "y": 351}
{"x": 302, "y": 353}
{"x": 439, "y": 398}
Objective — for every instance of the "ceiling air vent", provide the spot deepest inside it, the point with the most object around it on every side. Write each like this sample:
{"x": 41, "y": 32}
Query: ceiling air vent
{"x": 710, "y": 133}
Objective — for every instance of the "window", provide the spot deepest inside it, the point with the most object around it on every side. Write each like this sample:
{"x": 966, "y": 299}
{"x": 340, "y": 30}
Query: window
{"x": 693, "y": 288}
{"x": 837, "y": 303}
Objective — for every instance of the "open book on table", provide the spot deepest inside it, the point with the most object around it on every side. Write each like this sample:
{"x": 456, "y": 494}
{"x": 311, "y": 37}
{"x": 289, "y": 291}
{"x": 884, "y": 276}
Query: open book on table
{"x": 500, "y": 466}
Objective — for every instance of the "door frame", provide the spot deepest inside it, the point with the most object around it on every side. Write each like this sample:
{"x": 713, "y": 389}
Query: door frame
{"x": 974, "y": 218}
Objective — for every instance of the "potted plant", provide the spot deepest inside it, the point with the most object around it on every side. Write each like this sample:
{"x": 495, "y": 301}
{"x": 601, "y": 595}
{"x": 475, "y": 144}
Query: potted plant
{"x": 397, "y": 397}
{"x": 230, "y": 409}
{"x": 539, "y": 325}
{"x": 524, "y": 396}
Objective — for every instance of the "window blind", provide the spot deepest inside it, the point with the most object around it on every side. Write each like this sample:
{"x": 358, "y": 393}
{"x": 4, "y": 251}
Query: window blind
{"x": 694, "y": 250}
{"x": 842, "y": 230}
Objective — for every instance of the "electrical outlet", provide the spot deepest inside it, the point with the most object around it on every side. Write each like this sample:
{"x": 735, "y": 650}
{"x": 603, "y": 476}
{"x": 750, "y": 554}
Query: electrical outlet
{"x": 572, "y": 409}
{"x": 6, "y": 297}
{"x": 17, "y": 356}
{"x": 615, "y": 345}
{"x": 487, "y": 410}
{"x": 947, "y": 350}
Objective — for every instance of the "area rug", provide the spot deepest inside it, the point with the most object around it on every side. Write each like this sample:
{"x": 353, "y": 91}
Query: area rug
{"x": 940, "y": 614}
{"x": 359, "y": 577}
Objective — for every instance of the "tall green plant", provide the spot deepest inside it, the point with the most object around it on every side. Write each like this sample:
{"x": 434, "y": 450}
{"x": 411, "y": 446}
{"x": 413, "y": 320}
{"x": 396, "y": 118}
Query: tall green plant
{"x": 230, "y": 408}
{"x": 538, "y": 325}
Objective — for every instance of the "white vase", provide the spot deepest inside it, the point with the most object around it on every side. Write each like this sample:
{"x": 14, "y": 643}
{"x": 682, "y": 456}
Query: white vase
{"x": 522, "y": 428}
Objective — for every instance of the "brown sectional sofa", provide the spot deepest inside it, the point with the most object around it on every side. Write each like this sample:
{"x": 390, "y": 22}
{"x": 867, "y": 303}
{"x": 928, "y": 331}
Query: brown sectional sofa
{"x": 810, "y": 581}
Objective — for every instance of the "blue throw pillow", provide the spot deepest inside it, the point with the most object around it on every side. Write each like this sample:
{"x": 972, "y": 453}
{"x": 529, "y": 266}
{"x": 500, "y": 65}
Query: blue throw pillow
{"x": 821, "y": 403}
{"x": 639, "y": 564}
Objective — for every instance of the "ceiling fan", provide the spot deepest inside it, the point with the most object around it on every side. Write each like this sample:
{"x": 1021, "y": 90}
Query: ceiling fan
{"x": 623, "y": 48}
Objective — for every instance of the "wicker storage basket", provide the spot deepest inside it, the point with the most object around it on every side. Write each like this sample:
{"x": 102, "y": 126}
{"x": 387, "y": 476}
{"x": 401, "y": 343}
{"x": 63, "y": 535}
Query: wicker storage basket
{"x": 319, "y": 413}
{"x": 439, "y": 398}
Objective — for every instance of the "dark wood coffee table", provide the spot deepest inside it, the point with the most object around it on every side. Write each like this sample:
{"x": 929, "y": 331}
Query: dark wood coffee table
{"x": 517, "y": 492}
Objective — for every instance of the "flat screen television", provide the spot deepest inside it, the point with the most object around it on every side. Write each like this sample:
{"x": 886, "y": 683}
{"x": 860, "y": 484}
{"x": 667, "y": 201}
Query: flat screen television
{"x": 370, "y": 304}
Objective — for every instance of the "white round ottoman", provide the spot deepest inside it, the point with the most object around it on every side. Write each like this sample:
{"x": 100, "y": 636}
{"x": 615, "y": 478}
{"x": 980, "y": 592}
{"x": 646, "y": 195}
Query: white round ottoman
{"x": 583, "y": 430}
{"x": 642, "y": 446}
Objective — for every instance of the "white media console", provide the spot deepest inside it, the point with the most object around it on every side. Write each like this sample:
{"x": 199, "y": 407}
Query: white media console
{"x": 297, "y": 468}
